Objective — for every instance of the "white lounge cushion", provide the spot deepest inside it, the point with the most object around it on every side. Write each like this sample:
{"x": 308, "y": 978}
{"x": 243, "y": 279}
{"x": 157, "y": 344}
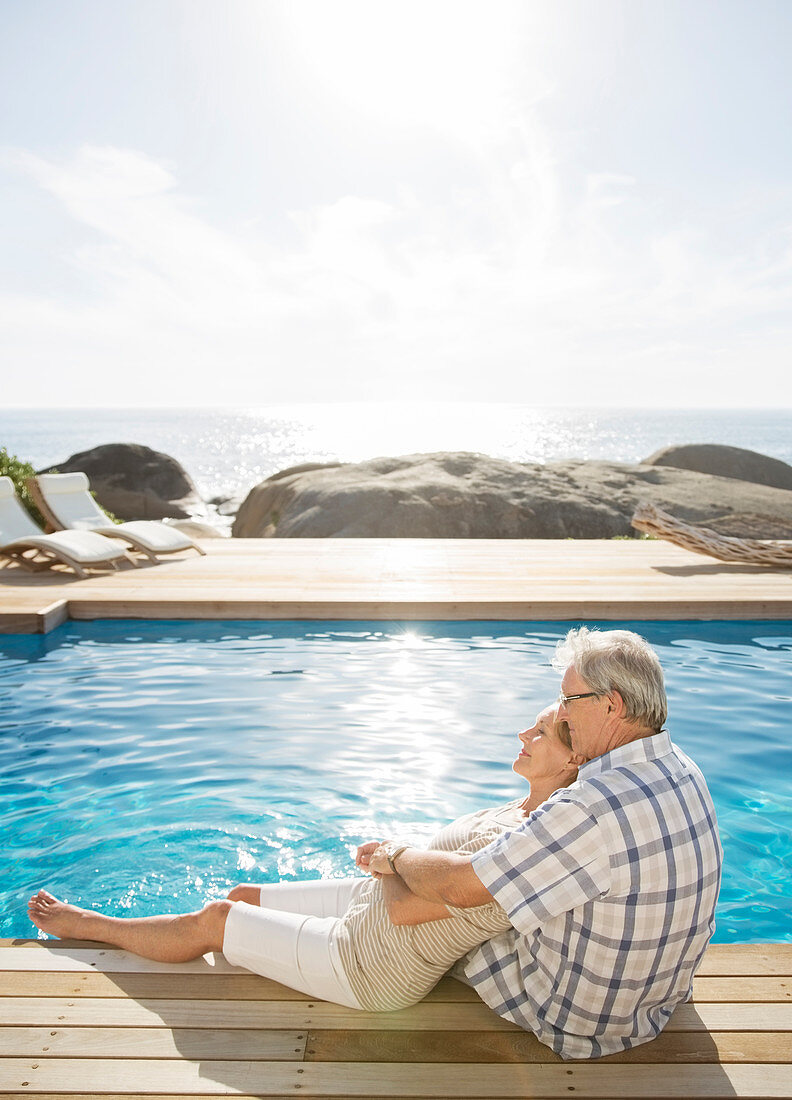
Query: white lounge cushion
{"x": 18, "y": 531}
{"x": 15, "y": 523}
{"x": 68, "y": 498}
{"x": 149, "y": 533}
{"x": 86, "y": 547}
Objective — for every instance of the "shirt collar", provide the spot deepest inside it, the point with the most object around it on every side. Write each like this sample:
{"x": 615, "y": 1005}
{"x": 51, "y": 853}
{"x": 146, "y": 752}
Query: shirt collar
{"x": 636, "y": 752}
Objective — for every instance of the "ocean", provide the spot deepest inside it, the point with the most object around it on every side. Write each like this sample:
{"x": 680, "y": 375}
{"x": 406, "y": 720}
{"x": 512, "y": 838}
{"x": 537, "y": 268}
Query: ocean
{"x": 227, "y": 451}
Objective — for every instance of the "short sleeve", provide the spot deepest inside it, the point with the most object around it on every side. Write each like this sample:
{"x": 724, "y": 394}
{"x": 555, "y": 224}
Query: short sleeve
{"x": 555, "y": 862}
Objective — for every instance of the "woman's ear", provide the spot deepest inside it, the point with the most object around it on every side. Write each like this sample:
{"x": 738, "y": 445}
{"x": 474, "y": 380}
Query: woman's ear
{"x": 576, "y": 760}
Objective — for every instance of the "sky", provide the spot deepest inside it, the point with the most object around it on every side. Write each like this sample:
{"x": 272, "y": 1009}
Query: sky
{"x": 246, "y": 202}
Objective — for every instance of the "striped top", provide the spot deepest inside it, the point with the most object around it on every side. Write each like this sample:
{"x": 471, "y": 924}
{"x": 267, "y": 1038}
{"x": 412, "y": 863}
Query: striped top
{"x": 391, "y": 966}
{"x": 611, "y": 886}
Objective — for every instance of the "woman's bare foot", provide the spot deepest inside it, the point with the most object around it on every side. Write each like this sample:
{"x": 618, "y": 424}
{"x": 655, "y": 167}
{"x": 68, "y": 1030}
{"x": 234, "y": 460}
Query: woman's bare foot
{"x": 164, "y": 938}
{"x": 58, "y": 918}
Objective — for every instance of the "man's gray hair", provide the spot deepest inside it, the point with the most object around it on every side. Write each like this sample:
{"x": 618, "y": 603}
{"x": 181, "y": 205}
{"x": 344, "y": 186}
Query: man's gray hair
{"x": 618, "y": 660}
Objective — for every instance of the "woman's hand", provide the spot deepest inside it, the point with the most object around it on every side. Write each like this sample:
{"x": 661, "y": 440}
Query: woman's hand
{"x": 364, "y": 853}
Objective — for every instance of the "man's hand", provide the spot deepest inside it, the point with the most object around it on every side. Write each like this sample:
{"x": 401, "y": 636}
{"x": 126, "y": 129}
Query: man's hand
{"x": 378, "y": 860}
{"x": 442, "y": 877}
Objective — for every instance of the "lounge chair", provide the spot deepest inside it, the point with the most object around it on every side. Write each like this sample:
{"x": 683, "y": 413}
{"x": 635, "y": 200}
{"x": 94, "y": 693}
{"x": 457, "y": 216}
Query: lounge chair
{"x": 703, "y": 540}
{"x": 21, "y": 540}
{"x": 65, "y": 502}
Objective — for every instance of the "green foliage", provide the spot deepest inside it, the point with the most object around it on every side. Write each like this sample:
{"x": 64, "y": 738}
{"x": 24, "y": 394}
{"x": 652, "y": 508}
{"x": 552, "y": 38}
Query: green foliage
{"x": 19, "y": 472}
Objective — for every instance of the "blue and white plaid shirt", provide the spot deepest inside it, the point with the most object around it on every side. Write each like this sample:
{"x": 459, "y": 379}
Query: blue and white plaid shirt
{"x": 611, "y": 886}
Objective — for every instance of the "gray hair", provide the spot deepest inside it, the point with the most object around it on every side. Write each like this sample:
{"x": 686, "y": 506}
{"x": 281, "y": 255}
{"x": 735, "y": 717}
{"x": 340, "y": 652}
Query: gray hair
{"x": 617, "y": 660}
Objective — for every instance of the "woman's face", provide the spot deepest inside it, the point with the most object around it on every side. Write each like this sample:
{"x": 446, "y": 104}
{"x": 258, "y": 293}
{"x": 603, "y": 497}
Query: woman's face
{"x": 543, "y": 754}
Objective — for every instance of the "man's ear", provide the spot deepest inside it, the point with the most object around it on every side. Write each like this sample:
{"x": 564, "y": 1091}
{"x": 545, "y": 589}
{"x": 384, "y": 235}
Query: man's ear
{"x": 615, "y": 704}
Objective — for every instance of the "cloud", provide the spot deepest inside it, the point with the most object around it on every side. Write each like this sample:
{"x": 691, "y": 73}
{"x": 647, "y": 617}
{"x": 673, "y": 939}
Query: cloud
{"x": 530, "y": 281}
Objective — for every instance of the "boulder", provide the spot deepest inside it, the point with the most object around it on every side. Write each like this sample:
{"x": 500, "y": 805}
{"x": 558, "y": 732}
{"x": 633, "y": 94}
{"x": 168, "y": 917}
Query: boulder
{"x": 722, "y": 461}
{"x": 135, "y": 482}
{"x": 464, "y": 495}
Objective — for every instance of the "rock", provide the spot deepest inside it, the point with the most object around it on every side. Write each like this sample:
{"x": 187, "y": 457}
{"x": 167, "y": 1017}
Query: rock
{"x": 303, "y": 468}
{"x": 463, "y": 495}
{"x": 722, "y": 461}
{"x": 744, "y": 525}
{"x": 228, "y": 506}
{"x": 135, "y": 482}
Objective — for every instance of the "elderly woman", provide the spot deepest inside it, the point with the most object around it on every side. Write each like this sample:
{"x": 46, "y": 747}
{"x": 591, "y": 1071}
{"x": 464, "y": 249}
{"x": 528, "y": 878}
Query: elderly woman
{"x": 366, "y": 943}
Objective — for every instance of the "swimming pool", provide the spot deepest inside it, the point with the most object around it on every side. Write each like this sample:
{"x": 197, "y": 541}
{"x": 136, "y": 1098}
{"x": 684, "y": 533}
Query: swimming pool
{"x": 149, "y": 766}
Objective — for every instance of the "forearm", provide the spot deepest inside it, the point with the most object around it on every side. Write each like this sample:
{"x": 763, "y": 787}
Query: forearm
{"x": 405, "y": 907}
{"x": 441, "y": 877}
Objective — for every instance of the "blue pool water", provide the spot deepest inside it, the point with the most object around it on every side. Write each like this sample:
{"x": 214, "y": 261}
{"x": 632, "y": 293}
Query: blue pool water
{"x": 147, "y": 767}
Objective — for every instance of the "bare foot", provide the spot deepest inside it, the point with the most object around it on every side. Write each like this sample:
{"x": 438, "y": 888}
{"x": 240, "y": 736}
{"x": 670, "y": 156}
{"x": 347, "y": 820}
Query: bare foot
{"x": 58, "y": 918}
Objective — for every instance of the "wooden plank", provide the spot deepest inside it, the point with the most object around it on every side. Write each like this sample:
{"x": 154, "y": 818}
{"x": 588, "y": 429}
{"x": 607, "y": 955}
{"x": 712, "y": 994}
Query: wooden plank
{"x": 120, "y": 1012}
{"x": 148, "y": 1043}
{"x": 720, "y": 960}
{"x": 746, "y": 959}
{"x": 209, "y": 1077}
{"x": 20, "y": 622}
{"x": 162, "y": 1042}
{"x": 680, "y": 1047}
{"x": 251, "y": 987}
{"x": 170, "y": 1096}
{"x": 48, "y": 955}
{"x": 515, "y": 607}
{"x": 52, "y": 944}
{"x": 742, "y": 989}
{"x": 411, "y": 579}
{"x": 241, "y": 986}
{"x": 52, "y": 616}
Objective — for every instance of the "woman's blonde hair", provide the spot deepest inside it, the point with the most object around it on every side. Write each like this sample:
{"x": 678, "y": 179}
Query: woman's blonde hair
{"x": 561, "y": 727}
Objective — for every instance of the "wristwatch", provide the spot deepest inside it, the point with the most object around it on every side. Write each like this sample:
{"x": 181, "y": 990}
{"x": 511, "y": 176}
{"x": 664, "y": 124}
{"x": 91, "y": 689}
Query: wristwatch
{"x": 392, "y": 852}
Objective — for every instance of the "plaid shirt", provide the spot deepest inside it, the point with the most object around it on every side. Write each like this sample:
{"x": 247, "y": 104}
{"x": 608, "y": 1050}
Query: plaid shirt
{"x": 611, "y": 886}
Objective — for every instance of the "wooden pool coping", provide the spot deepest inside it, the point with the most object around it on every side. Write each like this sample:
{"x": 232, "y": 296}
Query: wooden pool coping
{"x": 400, "y": 579}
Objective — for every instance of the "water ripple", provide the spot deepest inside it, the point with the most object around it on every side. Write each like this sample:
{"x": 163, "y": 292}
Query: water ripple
{"x": 150, "y": 766}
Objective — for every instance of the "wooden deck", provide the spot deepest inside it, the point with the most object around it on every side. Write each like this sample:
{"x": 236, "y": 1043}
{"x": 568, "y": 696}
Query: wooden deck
{"x": 405, "y": 579}
{"x": 79, "y": 1018}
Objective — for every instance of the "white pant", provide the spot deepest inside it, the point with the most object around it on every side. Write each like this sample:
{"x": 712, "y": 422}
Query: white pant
{"x": 291, "y": 936}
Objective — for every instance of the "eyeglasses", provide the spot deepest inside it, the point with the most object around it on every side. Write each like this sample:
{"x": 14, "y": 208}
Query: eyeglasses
{"x": 564, "y": 700}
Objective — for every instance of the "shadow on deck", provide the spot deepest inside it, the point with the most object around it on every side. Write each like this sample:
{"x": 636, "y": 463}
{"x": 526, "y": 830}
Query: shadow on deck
{"x": 83, "y": 1019}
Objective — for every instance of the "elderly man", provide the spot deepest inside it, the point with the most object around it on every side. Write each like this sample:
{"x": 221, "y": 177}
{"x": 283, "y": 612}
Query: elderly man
{"x": 610, "y": 885}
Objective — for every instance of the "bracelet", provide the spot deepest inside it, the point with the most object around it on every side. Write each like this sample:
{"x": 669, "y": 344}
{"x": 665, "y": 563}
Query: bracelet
{"x": 393, "y": 855}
